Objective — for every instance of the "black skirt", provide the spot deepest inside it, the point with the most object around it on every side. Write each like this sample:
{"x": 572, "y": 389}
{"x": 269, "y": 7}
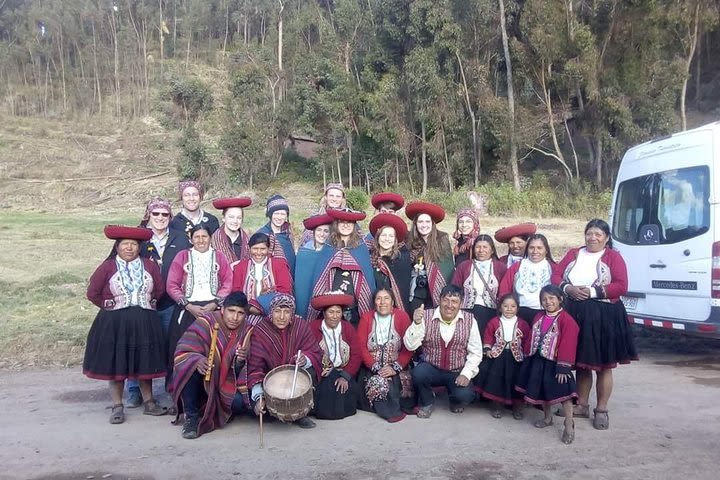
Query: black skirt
{"x": 125, "y": 343}
{"x": 605, "y": 337}
{"x": 394, "y": 405}
{"x": 497, "y": 378}
{"x": 482, "y": 316}
{"x": 331, "y": 404}
{"x": 537, "y": 382}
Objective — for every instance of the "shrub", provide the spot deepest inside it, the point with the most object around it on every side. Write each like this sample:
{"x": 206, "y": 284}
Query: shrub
{"x": 357, "y": 199}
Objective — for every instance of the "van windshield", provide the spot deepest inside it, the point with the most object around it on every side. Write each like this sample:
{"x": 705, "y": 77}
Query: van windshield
{"x": 676, "y": 201}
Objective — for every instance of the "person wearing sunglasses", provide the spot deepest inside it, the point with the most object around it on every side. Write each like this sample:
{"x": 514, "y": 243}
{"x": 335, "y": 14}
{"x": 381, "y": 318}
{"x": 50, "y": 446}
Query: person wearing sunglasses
{"x": 161, "y": 249}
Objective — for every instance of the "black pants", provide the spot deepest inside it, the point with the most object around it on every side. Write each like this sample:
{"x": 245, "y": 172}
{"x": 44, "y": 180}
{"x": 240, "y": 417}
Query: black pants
{"x": 193, "y": 396}
{"x": 425, "y": 376}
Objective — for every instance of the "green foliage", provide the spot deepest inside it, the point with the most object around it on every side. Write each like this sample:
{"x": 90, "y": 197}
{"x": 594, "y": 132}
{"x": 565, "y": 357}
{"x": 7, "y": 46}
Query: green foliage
{"x": 357, "y": 199}
{"x": 193, "y": 163}
{"x": 191, "y": 95}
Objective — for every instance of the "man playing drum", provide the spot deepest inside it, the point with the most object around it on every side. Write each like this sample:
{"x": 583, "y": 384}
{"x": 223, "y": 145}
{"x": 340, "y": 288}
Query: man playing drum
{"x": 452, "y": 351}
{"x": 277, "y": 338}
{"x": 209, "y": 381}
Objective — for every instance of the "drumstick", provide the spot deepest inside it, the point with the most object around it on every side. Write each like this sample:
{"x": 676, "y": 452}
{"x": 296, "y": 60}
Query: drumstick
{"x": 261, "y": 431}
{"x": 292, "y": 392}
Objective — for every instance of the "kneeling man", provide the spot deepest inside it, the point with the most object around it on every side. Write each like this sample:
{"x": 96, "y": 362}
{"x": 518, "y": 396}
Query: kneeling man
{"x": 210, "y": 404}
{"x": 451, "y": 352}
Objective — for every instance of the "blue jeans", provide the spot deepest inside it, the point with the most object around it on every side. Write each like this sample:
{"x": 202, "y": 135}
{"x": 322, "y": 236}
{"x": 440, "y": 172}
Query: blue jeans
{"x": 425, "y": 376}
{"x": 165, "y": 316}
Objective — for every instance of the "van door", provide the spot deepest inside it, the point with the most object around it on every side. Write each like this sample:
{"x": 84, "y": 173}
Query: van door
{"x": 661, "y": 225}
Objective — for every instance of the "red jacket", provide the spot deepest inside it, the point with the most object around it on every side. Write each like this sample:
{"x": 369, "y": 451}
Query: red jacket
{"x": 611, "y": 281}
{"x": 463, "y": 271}
{"x": 280, "y": 271}
{"x": 401, "y": 322}
{"x": 559, "y": 344}
{"x": 350, "y": 337}
{"x": 103, "y": 287}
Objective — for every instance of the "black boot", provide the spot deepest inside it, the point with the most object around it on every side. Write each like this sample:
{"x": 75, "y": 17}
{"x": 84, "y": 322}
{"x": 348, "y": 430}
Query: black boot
{"x": 190, "y": 427}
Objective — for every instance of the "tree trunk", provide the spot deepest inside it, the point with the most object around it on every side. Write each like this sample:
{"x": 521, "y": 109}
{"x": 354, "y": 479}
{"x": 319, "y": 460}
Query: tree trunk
{"x": 473, "y": 124}
{"x": 61, "y": 52}
{"x": 423, "y": 150}
{"x": 551, "y": 122}
{"x": 598, "y": 160}
{"x": 227, "y": 26}
{"x": 96, "y": 73}
{"x": 162, "y": 37}
{"x": 511, "y": 98}
{"x": 450, "y": 183}
{"x": 688, "y": 62}
{"x": 280, "y": 36}
{"x": 349, "y": 142}
{"x": 337, "y": 160}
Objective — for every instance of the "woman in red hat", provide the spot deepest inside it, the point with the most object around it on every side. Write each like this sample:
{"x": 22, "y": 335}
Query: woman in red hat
{"x": 516, "y": 237}
{"x": 126, "y": 339}
{"x": 384, "y": 376}
{"x": 230, "y": 239}
{"x": 480, "y": 278}
{"x": 345, "y": 266}
{"x": 260, "y": 273}
{"x": 336, "y": 395}
{"x": 430, "y": 253}
{"x": 307, "y": 258}
{"x": 390, "y": 257}
{"x": 525, "y": 278}
{"x": 199, "y": 279}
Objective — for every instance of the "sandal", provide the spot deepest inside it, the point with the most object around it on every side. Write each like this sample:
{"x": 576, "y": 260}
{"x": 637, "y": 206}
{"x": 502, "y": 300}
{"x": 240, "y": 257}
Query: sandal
{"x": 496, "y": 413}
{"x": 568, "y": 436}
{"x": 154, "y": 409}
{"x": 543, "y": 423}
{"x": 518, "y": 413}
{"x": 118, "y": 414}
{"x": 457, "y": 409}
{"x": 425, "y": 412}
{"x": 601, "y": 420}
{"x": 579, "y": 411}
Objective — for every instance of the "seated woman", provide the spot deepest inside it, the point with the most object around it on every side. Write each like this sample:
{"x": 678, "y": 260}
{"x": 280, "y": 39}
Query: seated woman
{"x": 126, "y": 339}
{"x": 384, "y": 377}
{"x": 276, "y": 341}
{"x": 479, "y": 278}
{"x": 336, "y": 395}
{"x": 230, "y": 239}
{"x": 467, "y": 228}
{"x": 198, "y": 281}
{"x": 209, "y": 404}
{"x": 260, "y": 273}
{"x": 345, "y": 266}
{"x": 430, "y": 253}
{"x": 390, "y": 258}
{"x": 525, "y": 278}
{"x": 307, "y": 257}
{"x": 278, "y": 228}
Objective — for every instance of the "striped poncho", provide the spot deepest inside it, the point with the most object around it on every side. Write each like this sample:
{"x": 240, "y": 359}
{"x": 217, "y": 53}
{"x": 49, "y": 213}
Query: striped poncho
{"x": 227, "y": 378}
{"x": 272, "y": 347}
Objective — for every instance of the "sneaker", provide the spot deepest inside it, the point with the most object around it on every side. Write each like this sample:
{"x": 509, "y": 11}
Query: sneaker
{"x": 190, "y": 428}
{"x": 134, "y": 399}
{"x": 305, "y": 422}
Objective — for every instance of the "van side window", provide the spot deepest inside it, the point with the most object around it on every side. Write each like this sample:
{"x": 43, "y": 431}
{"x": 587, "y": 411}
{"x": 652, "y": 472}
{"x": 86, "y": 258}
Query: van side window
{"x": 677, "y": 201}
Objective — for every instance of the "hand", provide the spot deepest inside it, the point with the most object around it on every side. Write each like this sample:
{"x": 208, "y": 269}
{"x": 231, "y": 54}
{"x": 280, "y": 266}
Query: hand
{"x": 270, "y": 288}
{"x": 260, "y": 406}
{"x": 462, "y": 381}
{"x": 209, "y": 307}
{"x": 578, "y": 293}
{"x": 194, "y": 310}
{"x": 301, "y": 360}
{"x": 387, "y": 371}
{"x": 326, "y": 372}
{"x": 418, "y": 315}
{"x": 562, "y": 377}
{"x": 341, "y": 385}
{"x": 241, "y": 353}
{"x": 202, "y": 366}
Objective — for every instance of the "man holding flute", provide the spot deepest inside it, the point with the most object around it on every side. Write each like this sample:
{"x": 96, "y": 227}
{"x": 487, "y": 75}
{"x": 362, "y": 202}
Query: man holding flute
{"x": 209, "y": 382}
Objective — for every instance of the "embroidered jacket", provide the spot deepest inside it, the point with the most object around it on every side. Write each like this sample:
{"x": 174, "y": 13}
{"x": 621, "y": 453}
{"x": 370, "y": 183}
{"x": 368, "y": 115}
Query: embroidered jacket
{"x": 349, "y": 348}
{"x": 494, "y": 339}
{"x": 180, "y": 283}
{"x": 611, "y": 281}
{"x": 463, "y": 275}
{"x": 107, "y": 290}
{"x": 276, "y": 276}
{"x": 559, "y": 343}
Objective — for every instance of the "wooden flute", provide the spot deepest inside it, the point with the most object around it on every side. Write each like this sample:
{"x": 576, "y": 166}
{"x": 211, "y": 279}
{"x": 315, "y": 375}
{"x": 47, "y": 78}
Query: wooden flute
{"x": 213, "y": 347}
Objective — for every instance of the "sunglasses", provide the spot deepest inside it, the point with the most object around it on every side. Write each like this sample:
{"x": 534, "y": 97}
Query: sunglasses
{"x": 160, "y": 214}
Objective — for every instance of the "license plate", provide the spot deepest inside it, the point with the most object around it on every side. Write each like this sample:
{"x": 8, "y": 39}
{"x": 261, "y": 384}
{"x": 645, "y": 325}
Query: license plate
{"x": 629, "y": 302}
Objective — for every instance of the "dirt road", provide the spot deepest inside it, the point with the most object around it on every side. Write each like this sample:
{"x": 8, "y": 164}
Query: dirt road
{"x": 665, "y": 417}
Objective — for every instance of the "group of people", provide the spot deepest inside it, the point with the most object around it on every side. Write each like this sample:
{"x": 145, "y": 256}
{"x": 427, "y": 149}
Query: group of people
{"x": 380, "y": 322}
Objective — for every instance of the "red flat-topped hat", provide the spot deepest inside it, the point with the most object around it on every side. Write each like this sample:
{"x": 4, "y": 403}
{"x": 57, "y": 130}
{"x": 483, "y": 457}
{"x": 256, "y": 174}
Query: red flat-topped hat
{"x": 389, "y": 220}
{"x": 321, "y": 302}
{"x": 315, "y": 221}
{"x": 121, "y": 232}
{"x": 521, "y": 230}
{"x": 387, "y": 197}
{"x": 346, "y": 214}
{"x": 417, "y": 207}
{"x": 239, "y": 202}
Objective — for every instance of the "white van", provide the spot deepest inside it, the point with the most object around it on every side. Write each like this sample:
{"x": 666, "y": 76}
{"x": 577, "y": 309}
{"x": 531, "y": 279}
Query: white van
{"x": 665, "y": 220}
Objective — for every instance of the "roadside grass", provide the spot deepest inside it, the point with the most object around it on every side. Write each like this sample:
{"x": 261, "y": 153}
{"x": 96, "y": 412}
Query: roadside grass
{"x": 46, "y": 260}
